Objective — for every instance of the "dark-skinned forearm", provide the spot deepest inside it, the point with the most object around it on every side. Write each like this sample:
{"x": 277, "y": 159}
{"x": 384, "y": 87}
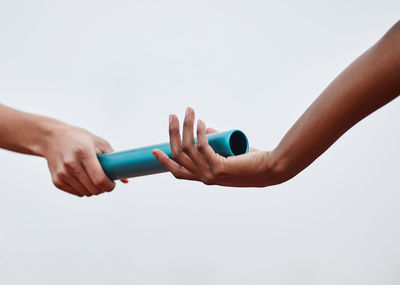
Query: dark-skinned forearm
{"x": 369, "y": 83}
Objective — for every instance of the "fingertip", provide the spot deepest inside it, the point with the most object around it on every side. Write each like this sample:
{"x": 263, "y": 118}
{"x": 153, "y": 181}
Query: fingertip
{"x": 211, "y": 131}
{"x": 175, "y": 120}
{"x": 158, "y": 153}
{"x": 174, "y": 123}
{"x": 161, "y": 157}
{"x": 189, "y": 113}
{"x": 172, "y": 117}
{"x": 201, "y": 125}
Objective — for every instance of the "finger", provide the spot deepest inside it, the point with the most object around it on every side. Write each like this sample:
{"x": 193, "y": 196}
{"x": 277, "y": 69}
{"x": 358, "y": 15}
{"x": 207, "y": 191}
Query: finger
{"x": 176, "y": 144}
{"x": 188, "y": 145}
{"x": 174, "y": 134}
{"x": 177, "y": 170}
{"x": 202, "y": 143}
{"x": 81, "y": 175}
{"x": 67, "y": 188}
{"x": 95, "y": 172}
{"x": 105, "y": 147}
{"x": 211, "y": 131}
{"x": 187, "y": 133}
{"x": 73, "y": 182}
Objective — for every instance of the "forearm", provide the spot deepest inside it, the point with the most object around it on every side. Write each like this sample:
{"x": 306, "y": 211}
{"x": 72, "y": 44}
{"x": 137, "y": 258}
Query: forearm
{"x": 367, "y": 84}
{"x": 71, "y": 152}
{"x": 24, "y": 132}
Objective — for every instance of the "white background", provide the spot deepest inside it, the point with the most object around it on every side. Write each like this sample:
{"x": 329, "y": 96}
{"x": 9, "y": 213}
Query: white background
{"x": 118, "y": 68}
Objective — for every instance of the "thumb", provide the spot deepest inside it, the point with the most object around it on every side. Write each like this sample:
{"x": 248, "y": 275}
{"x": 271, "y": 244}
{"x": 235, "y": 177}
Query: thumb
{"x": 105, "y": 147}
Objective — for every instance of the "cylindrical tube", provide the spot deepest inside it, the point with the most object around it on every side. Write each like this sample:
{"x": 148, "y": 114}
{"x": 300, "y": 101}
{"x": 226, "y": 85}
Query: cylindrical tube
{"x": 140, "y": 161}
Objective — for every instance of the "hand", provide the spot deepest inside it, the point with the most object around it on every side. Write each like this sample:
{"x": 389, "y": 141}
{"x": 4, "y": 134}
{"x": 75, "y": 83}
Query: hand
{"x": 199, "y": 161}
{"x": 71, "y": 153}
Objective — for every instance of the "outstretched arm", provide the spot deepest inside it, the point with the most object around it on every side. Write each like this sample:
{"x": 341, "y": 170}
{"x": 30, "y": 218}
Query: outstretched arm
{"x": 370, "y": 82}
{"x": 70, "y": 151}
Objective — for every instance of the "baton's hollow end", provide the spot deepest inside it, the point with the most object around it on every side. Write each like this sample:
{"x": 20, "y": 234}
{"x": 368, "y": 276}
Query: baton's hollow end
{"x": 238, "y": 143}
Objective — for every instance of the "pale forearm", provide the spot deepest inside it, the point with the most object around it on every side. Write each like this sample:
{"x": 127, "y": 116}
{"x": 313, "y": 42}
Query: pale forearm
{"x": 366, "y": 85}
{"x": 24, "y": 132}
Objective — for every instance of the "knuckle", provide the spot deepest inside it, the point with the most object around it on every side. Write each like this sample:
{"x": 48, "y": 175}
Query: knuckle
{"x": 208, "y": 179}
{"x": 61, "y": 175}
{"x": 110, "y": 188}
{"x": 173, "y": 130}
{"x": 100, "y": 182}
{"x": 57, "y": 183}
{"x": 201, "y": 147}
{"x": 175, "y": 156}
{"x": 187, "y": 123}
{"x": 81, "y": 151}
{"x": 177, "y": 175}
{"x": 76, "y": 171}
{"x": 187, "y": 148}
{"x": 69, "y": 163}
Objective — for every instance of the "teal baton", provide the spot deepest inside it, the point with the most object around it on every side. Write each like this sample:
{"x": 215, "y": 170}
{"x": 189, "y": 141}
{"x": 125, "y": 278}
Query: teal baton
{"x": 140, "y": 161}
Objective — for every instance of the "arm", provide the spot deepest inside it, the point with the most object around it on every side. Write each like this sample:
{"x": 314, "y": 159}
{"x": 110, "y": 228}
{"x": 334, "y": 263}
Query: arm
{"x": 369, "y": 83}
{"x": 70, "y": 151}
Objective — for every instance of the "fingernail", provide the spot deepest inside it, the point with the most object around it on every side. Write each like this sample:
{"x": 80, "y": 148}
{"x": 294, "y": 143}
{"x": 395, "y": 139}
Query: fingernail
{"x": 155, "y": 154}
{"x": 170, "y": 118}
{"x": 187, "y": 111}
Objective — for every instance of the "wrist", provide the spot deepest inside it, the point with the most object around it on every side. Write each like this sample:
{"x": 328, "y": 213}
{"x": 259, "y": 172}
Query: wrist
{"x": 276, "y": 168}
{"x": 47, "y": 130}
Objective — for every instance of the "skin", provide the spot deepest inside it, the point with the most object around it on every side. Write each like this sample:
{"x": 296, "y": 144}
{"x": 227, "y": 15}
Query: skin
{"x": 366, "y": 85}
{"x": 70, "y": 151}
